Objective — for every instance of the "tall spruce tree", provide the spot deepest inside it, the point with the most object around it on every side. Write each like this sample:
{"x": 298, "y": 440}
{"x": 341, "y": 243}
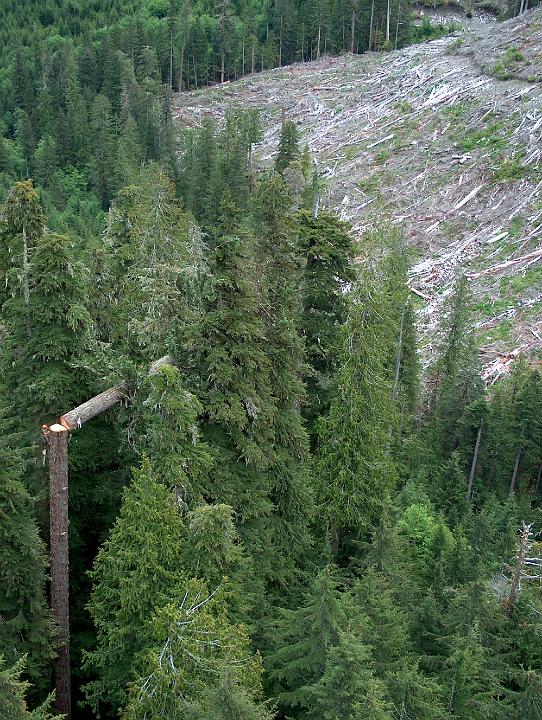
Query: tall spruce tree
{"x": 327, "y": 246}
{"x": 235, "y": 390}
{"x": 139, "y": 570}
{"x": 281, "y": 265}
{"x": 288, "y": 150}
{"x": 355, "y": 471}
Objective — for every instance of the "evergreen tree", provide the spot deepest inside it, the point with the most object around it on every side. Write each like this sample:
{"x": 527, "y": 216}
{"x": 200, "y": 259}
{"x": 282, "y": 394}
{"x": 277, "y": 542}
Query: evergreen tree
{"x": 235, "y": 390}
{"x": 301, "y": 639}
{"x": 46, "y": 350}
{"x": 22, "y": 226}
{"x": 280, "y": 283}
{"x": 138, "y": 571}
{"x": 349, "y": 687}
{"x": 528, "y": 702}
{"x": 327, "y": 246}
{"x": 210, "y": 671}
{"x": 354, "y": 469}
{"x": 26, "y": 624}
{"x": 12, "y": 695}
{"x": 164, "y": 428}
{"x": 288, "y": 150}
{"x": 152, "y": 268}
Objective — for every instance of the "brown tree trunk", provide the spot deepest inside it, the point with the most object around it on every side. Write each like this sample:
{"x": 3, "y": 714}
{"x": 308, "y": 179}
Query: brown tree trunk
{"x": 474, "y": 463}
{"x": 57, "y": 440}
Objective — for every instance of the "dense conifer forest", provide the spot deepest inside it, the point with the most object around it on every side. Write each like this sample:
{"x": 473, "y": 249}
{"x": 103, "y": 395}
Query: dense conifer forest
{"x": 292, "y": 515}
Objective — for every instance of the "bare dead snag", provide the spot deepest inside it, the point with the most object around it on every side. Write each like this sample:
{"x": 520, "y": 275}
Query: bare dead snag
{"x": 56, "y": 437}
{"x": 526, "y": 567}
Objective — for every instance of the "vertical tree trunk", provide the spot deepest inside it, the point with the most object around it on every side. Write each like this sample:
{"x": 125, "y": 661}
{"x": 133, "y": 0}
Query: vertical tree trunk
{"x": 170, "y": 70}
{"x": 353, "y": 28}
{"x": 253, "y": 65}
{"x": 474, "y": 463}
{"x": 371, "y": 25}
{"x": 515, "y": 473}
{"x": 26, "y": 283}
{"x": 538, "y": 478}
{"x": 243, "y": 54}
{"x": 195, "y": 72}
{"x": 397, "y": 25}
{"x": 280, "y": 42}
{"x": 57, "y": 440}
{"x": 518, "y": 569}
{"x": 319, "y": 40}
{"x": 181, "y": 68}
{"x": 388, "y": 21}
{"x": 222, "y": 67}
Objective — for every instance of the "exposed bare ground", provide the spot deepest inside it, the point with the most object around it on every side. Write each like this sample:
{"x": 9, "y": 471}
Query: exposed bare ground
{"x": 429, "y": 140}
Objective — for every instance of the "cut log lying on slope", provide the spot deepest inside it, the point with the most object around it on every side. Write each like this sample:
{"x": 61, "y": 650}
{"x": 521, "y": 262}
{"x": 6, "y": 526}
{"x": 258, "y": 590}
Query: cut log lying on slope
{"x": 529, "y": 258}
{"x": 73, "y": 419}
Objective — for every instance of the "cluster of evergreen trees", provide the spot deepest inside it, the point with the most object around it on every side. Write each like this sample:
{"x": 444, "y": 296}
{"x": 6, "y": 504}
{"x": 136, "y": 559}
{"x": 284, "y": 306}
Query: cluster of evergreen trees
{"x": 286, "y": 523}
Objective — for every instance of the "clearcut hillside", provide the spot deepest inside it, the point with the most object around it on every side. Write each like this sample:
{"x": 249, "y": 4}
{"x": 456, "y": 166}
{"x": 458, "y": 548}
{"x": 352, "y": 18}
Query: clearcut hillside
{"x": 442, "y": 140}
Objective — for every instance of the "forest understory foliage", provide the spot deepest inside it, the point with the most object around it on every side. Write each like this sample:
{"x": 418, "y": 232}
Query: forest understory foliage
{"x": 287, "y": 520}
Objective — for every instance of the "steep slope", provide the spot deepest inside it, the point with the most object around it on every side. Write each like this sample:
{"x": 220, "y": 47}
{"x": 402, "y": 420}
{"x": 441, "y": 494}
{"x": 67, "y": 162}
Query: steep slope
{"x": 431, "y": 140}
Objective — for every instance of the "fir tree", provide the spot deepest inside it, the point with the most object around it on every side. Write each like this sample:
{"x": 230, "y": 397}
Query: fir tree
{"x": 354, "y": 469}
{"x": 139, "y": 570}
{"x": 236, "y": 391}
{"x": 12, "y": 695}
{"x": 152, "y": 268}
{"x": 49, "y": 337}
{"x": 164, "y": 428}
{"x": 210, "y": 671}
{"x": 301, "y": 639}
{"x": 288, "y": 150}
{"x": 528, "y": 702}
{"x": 327, "y": 246}
{"x": 281, "y": 277}
{"x": 26, "y": 624}
{"x": 349, "y": 687}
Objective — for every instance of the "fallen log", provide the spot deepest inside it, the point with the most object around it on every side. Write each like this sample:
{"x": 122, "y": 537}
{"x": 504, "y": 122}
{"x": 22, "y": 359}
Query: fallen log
{"x": 530, "y": 257}
{"x": 75, "y": 418}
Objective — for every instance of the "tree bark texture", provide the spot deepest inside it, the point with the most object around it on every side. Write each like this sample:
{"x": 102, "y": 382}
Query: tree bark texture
{"x": 57, "y": 440}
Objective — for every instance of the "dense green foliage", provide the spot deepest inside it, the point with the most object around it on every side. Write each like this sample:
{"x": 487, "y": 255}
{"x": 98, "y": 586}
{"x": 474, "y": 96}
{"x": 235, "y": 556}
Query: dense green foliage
{"x": 288, "y": 520}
